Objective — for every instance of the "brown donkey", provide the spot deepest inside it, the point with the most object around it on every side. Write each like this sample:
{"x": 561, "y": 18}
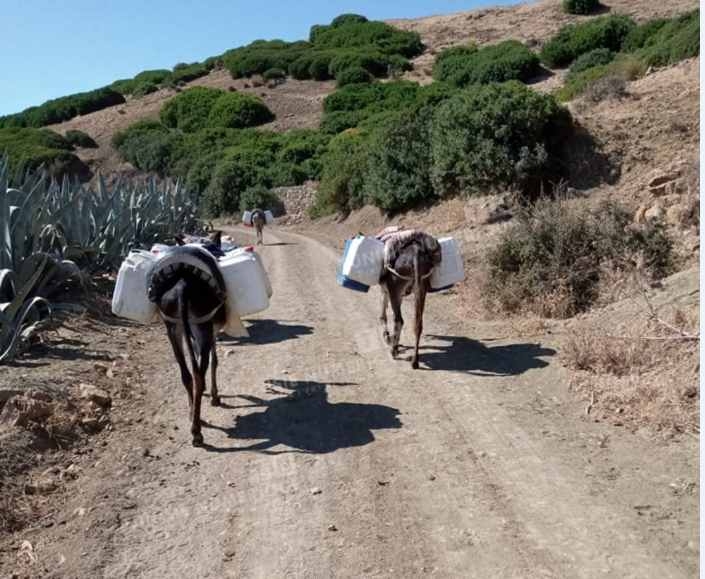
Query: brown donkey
{"x": 258, "y": 221}
{"x": 189, "y": 291}
{"x": 409, "y": 259}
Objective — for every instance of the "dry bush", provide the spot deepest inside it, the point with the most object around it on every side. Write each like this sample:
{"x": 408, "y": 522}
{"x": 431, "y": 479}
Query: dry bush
{"x": 603, "y": 354}
{"x": 608, "y": 87}
{"x": 550, "y": 261}
{"x": 15, "y": 511}
{"x": 646, "y": 376}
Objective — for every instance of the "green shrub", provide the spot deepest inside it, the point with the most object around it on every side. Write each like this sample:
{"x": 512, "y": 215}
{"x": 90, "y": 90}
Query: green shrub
{"x": 597, "y": 57}
{"x": 143, "y": 83}
{"x": 638, "y": 35}
{"x": 144, "y": 88}
{"x": 623, "y": 68}
{"x": 338, "y": 121}
{"x": 344, "y": 164}
{"x": 259, "y": 197}
{"x": 451, "y": 62}
{"x": 551, "y": 260}
{"x": 238, "y": 170}
{"x": 298, "y": 157}
{"x": 157, "y": 76}
{"x": 190, "y": 109}
{"x": 236, "y": 110}
{"x": 373, "y": 62}
{"x": 350, "y": 40}
{"x": 509, "y": 60}
{"x": 581, "y": 6}
{"x": 300, "y": 68}
{"x": 213, "y": 62}
{"x": 319, "y": 67}
{"x": 368, "y": 35}
{"x": 676, "y": 40}
{"x": 343, "y": 19}
{"x": 188, "y": 73}
{"x": 354, "y": 75}
{"x": 359, "y": 104}
{"x": 261, "y": 55}
{"x": 147, "y": 145}
{"x": 498, "y": 135}
{"x": 274, "y": 74}
{"x": 372, "y": 98}
{"x": 124, "y": 86}
{"x": 29, "y": 148}
{"x": 398, "y": 172}
{"x": 575, "y": 39}
{"x": 212, "y": 159}
{"x": 397, "y": 64}
{"x": 80, "y": 139}
{"x": 64, "y": 108}
{"x": 201, "y": 107}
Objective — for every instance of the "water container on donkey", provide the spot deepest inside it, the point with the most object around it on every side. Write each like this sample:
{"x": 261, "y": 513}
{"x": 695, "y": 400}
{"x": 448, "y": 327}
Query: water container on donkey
{"x": 362, "y": 263}
{"x": 130, "y": 299}
{"x": 451, "y": 270}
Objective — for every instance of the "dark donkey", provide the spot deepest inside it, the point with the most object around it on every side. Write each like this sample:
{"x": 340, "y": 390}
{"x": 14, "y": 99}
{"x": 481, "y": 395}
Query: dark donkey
{"x": 189, "y": 291}
{"x": 258, "y": 221}
{"x": 409, "y": 259}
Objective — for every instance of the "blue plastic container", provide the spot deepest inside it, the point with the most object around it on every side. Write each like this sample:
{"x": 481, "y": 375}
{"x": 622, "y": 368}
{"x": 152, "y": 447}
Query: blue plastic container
{"x": 345, "y": 281}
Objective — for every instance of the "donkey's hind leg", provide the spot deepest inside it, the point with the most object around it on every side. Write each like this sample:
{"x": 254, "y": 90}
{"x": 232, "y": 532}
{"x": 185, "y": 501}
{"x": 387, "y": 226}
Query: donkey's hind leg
{"x": 177, "y": 344}
{"x": 418, "y": 322}
{"x": 383, "y": 315}
{"x": 203, "y": 338}
{"x": 215, "y": 398}
{"x": 395, "y": 299}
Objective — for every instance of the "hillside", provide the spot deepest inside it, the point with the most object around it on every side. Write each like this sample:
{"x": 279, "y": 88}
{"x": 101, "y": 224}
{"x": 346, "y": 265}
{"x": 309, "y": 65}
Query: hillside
{"x": 530, "y": 22}
{"x": 298, "y": 104}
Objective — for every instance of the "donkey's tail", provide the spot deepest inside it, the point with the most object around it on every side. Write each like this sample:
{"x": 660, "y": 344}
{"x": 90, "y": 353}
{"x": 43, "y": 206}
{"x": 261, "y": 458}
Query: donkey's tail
{"x": 183, "y": 314}
{"x": 417, "y": 273}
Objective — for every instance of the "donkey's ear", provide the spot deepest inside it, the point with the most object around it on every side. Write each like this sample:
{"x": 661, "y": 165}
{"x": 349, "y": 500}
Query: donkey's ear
{"x": 179, "y": 238}
{"x": 215, "y": 237}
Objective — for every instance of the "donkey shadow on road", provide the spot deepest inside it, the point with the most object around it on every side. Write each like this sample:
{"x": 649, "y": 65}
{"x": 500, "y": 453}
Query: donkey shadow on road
{"x": 266, "y": 331}
{"x": 303, "y": 420}
{"x": 462, "y": 354}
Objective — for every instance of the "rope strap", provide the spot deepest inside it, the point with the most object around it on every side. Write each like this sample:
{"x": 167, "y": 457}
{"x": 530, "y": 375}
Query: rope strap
{"x": 404, "y": 277}
{"x": 200, "y": 320}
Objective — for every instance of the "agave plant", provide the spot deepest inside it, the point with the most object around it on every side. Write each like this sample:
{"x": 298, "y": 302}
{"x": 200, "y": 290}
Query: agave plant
{"x": 46, "y": 228}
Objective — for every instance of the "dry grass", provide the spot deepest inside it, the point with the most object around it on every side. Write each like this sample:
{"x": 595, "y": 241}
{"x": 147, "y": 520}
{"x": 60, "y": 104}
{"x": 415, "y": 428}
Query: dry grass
{"x": 608, "y": 87}
{"x": 15, "y": 511}
{"x": 604, "y": 354}
{"x": 642, "y": 374}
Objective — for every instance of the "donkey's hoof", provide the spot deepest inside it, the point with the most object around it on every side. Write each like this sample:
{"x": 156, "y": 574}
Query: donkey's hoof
{"x": 197, "y": 440}
{"x": 415, "y": 364}
{"x": 387, "y": 338}
{"x": 215, "y": 401}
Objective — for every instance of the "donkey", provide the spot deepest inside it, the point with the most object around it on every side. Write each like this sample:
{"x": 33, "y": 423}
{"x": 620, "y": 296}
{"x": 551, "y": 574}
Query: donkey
{"x": 258, "y": 220}
{"x": 189, "y": 291}
{"x": 409, "y": 259}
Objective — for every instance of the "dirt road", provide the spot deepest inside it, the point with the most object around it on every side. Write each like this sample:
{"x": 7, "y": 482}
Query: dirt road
{"x": 330, "y": 460}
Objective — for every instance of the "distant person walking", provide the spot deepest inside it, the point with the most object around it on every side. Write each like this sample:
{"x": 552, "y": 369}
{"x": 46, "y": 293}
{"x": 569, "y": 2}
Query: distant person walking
{"x": 258, "y": 221}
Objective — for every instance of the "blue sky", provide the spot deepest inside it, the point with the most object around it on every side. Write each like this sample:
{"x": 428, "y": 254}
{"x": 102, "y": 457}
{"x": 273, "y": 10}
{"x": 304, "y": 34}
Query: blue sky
{"x": 52, "y": 48}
